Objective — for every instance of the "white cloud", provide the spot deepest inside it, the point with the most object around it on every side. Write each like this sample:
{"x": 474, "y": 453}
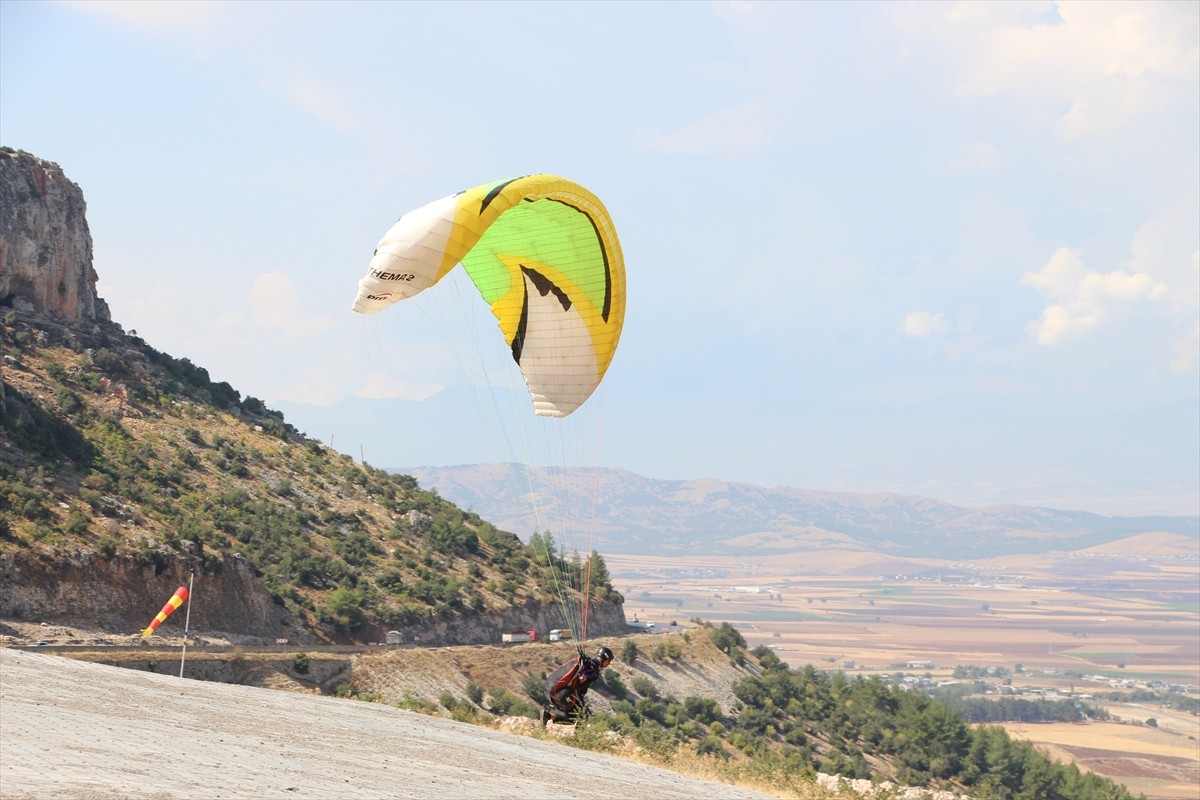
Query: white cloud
{"x": 735, "y": 131}
{"x": 1186, "y": 352}
{"x": 1086, "y": 297}
{"x": 1161, "y": 279}
{"x": 157, "y": 307}
{"x": 247, "y": 35}
{"x": 161, "y": 15}
{"x": 276, "y": 308}
{"x": 1095, "y": 66}
{"x": 317, "y": 386}
{"x": 382, "y": 385}
{"x": 924, "y": 323}
{"x": 977, "y": 155}
{"x": 1166, "y": 247}
{"x": 314, "y": 96}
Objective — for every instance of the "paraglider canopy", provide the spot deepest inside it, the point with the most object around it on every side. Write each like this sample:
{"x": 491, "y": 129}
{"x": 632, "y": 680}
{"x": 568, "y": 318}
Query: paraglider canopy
{"x": 544, "y": 254}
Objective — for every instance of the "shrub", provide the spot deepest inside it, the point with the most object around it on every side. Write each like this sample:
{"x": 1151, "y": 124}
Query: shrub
{"x": 645, "y": 687}
{"x": 345, "y": 607}
{"x": 711, "y": 746}
{"x": 502, "y": 702}
{"x": 589, "y": 735}
{"x": 76, "y": 522}
{"x": 535, "y": 688}
{"x": 106, "y": 546}
{"x": 726, "y": 638}
{"x": 668, "y": 649}
{"x": 614, "y": 684}
{"x": 68, "y": 401}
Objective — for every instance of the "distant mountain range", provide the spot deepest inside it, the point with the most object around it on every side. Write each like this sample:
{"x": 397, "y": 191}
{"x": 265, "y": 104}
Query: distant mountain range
{"x": 634, "y": 514}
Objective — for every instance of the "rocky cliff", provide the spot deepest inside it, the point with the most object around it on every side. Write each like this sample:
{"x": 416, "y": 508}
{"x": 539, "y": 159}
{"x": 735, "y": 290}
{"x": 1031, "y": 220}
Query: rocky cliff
{"x": 85, "y": 590}
{"x": 45, "y": 245}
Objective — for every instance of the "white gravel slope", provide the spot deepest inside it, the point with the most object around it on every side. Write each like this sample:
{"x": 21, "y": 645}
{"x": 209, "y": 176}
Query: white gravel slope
{"x": 69, "y": 729}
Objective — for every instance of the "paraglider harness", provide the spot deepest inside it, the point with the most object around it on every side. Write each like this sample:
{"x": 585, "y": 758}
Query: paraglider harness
{"x": 567, "y": 686}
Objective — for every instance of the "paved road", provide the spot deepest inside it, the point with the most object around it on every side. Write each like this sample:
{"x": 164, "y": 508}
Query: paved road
{"x": 83, "y": 731}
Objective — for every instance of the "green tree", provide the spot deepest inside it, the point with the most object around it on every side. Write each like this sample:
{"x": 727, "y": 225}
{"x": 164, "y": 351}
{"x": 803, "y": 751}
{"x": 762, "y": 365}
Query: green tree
{"x": 598, "y": 571}
{"x": 726, "y": 638}
{"x": 344, "y": 606}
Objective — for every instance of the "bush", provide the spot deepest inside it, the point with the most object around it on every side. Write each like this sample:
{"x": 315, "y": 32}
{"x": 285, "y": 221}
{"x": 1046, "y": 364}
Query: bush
{"x": 300, "y": 663}
{"x": 504, "y": 703}
{"x": 345, "y": 607}
{"x": 589, "y": 735}
{"x": 535, "y": 688}
{"x": 645, "y": 687}
{"x": 615, "y": 686}
{"x": 726, "y": 638}
{"x": 106, "y": 546}
{"x": 76, "y": 523}
{"x": 68, "y": 401}
{"x": 668, "y": 649}
{"x": 711, "y": 746}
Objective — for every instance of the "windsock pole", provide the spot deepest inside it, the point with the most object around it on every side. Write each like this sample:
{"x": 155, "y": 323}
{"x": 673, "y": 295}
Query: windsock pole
{"x": 187, "y": 621}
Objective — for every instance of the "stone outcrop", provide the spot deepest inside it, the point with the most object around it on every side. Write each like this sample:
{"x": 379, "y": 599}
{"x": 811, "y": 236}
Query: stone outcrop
{"x": 120, "y": 594}
{"x": 229, "y": 602}
{"x": 45, "y": 245}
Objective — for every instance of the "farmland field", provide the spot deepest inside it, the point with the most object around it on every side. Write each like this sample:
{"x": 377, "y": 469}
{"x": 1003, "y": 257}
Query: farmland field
{"x": 1158, "y": 762}
{"x": 1105, "y": 619}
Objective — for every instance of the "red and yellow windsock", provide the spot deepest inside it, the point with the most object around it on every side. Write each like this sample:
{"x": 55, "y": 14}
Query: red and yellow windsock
{"x": 179, "y": 598}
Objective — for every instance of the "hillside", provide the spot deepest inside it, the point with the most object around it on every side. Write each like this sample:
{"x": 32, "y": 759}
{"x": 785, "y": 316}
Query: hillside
{"x": 696, "y": 701}
{"x": 712, "y": 517}
{"x": 166, "y": 738}
{"x": 126, "y": 472}
{"x": 124, "y": 469}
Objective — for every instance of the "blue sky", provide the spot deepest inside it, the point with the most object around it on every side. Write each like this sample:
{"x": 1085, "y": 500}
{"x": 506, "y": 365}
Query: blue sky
{"x": 944, "y": 249}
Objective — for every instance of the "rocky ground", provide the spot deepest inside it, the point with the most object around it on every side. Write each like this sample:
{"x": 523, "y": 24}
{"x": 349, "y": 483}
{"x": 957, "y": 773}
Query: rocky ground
{"x": 73, "y": 729}
{"x": 394, "y": 675}
{"x": 70, "y": 729}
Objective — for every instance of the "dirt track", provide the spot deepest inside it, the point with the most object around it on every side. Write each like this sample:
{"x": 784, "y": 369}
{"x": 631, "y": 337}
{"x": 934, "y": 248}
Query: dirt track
{"x": 69, "y": 729}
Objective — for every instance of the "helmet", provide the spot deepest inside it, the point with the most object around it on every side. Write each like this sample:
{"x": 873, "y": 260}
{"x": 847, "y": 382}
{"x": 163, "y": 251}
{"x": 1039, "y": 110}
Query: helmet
{"x": 604, "y": 656}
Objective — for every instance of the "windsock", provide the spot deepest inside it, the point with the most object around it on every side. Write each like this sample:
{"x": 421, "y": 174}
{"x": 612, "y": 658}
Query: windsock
{"x": 177, "y": 599}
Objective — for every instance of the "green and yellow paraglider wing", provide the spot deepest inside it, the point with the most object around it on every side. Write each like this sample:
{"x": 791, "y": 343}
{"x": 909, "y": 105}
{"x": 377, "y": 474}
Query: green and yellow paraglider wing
{"x": 544, "y": 255}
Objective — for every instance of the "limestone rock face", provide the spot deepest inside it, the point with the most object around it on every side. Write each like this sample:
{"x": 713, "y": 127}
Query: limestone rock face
{"x": 120, "y": 594}
{"x": 45, "y": 245}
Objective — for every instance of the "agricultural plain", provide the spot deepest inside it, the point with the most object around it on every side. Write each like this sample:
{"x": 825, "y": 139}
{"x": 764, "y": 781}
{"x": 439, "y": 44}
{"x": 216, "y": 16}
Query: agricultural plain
{"x": 1121, "y": 617}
